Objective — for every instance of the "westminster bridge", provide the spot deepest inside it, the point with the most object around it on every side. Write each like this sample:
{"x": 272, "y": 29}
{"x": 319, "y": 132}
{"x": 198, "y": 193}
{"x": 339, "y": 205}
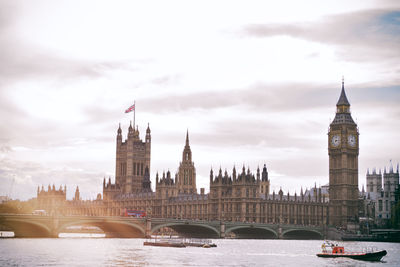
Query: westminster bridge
{"x": 26, "y": 225}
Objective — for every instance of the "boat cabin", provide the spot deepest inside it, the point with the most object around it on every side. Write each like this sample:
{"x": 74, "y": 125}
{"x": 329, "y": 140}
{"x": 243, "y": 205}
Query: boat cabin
{"x": 338, "y": 250}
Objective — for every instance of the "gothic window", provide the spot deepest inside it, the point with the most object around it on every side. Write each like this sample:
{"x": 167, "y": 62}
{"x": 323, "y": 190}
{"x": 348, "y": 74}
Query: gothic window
{"x": 380, "y": 204}
{"x": 387, "y": 205}
{"x": 134, "y": 168}
{"x": 141, "y": 168}
{"x": 247, "y": 192}
{"x": 187, "y": 156}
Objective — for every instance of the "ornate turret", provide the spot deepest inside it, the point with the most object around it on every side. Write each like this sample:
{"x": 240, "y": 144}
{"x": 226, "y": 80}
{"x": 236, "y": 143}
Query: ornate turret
{"x": 265, "y": 173}
{"x": 146, "y": 184}
{"x": 148, "y": 134}
{"x": 187, "y": 172}
{"x": 187, "y": 152}
{"x": 343, "y": 115}
{"x": 119, "y": 131}
{"x": 343, "y": 98}
{"x": 264, "y": 184}
{"x": 136, "y": 133}
{"x": 131, "y": 130}
{"x": 77, "y": 194}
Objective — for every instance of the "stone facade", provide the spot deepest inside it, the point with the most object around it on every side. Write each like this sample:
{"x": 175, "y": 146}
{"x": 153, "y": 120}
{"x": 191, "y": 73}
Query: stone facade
{"x": 132, "y": 161}
{"x": 343, "y": 149}
{"x": 240, "y": 196}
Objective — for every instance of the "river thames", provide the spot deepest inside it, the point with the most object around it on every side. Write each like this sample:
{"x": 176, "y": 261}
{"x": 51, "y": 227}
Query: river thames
{"x": 80, "y": 251}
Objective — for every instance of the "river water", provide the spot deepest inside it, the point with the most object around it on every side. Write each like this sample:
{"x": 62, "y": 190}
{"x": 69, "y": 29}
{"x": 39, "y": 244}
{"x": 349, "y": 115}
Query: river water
{"x": 79, "y": 251}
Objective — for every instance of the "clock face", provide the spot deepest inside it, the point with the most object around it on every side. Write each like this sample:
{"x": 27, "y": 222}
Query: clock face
{"x": 335, "y": 141}
{"x": 351, "y": 139}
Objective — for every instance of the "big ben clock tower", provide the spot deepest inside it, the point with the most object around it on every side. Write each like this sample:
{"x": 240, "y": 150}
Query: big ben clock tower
{"x": 343, "y": 146}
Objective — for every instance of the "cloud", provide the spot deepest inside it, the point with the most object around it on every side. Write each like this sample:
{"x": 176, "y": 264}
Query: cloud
{"x": 284, "y": 97}
{"x": 167, "y": 80}
{"x": 21, "y": 179}
{"x": 259, "y": 96}
{"x": 368, "y": 35}
{"x": 20, "y": 59}
{"x": 5, "y": 149}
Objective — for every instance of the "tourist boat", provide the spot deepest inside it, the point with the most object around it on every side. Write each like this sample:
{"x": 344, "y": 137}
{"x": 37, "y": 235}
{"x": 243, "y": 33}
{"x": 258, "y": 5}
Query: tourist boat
{"x": 164, "y": 243}
{"x": 179, "y": 242}
{"x": 338, "y": 251}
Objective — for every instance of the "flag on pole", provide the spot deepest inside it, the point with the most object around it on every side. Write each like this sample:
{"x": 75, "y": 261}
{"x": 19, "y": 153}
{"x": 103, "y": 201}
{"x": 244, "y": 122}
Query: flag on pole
{"x": 131, "y": 108}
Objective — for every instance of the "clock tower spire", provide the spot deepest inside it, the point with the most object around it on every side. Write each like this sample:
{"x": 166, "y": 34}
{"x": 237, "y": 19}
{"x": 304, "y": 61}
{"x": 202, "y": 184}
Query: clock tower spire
{"x": 343, "y": 150}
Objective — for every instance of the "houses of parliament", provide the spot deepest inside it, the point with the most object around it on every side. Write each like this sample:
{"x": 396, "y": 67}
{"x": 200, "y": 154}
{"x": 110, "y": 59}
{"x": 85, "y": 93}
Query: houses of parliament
{"x": 241, "y": 195}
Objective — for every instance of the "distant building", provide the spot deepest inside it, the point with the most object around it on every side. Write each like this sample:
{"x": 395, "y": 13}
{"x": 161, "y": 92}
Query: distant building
{"x": 4, "y": 199}
{"x": 382, "y": 197}
{"x": 52, "y": 200}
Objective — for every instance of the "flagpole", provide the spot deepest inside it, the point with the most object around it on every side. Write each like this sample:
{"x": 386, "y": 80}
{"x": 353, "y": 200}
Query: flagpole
{"x": 134, "y": 112}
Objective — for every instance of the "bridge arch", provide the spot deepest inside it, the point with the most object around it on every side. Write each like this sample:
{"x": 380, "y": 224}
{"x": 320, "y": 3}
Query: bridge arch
{"x": 190, "y": 229}
{"x": 111, "y": 228}
{"x": 252, "y": 232}
{"x": 302, "y": 234}
{"x": 23, "y": 228}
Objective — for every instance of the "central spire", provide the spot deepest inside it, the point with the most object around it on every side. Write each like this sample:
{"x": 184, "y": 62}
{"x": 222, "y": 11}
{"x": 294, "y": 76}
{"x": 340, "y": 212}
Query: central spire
{"x": 187, "y": 152}
{"x": 187, "y": 137}
{"x": 343, "y": 99}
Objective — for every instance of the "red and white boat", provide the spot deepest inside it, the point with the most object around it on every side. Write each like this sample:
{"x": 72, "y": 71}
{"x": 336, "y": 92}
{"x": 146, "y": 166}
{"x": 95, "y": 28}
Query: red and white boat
{"x": 338, "y": 251}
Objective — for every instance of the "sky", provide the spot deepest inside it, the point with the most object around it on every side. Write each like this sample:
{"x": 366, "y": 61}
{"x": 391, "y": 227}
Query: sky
{"x": 254, "y": 83}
